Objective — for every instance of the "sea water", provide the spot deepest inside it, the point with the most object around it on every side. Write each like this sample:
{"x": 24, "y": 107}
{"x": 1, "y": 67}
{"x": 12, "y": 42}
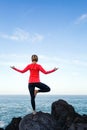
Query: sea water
{"x": 19, "y": 105}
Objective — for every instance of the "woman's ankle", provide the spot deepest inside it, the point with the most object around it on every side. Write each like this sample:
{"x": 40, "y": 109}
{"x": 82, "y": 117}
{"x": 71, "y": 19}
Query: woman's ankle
{"x": 34, "y": 112}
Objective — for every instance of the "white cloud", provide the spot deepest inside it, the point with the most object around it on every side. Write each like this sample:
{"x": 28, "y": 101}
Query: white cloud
{"x": 22, "y": 35}
{"x": 81, "y": 19}
{"x": 37, "y": 37}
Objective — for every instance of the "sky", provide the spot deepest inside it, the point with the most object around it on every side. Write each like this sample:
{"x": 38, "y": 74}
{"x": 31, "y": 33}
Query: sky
{"x": 55, "y": 30}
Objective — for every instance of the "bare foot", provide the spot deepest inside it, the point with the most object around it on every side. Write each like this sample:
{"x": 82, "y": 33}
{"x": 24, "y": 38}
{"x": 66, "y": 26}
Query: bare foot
{"x": 35, "y": 92}
{"x": 34, "y": 112}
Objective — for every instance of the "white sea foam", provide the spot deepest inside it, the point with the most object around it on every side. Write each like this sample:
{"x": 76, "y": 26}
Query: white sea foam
{"x": 2, "y": 124}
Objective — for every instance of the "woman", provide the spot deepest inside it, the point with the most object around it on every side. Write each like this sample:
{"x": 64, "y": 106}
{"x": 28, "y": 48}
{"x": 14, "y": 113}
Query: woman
{"x": 34, "y": 79}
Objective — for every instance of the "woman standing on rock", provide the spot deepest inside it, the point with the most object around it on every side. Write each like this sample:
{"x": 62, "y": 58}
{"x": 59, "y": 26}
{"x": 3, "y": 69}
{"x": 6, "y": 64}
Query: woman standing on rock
{"x": 34, "y": 79}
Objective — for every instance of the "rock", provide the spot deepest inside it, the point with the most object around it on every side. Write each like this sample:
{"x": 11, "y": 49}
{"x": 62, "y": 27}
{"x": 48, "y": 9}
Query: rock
{"x": 14, "y": 125}
{"x": 80, "y": 123}
{"x": 78, "y": 126}
{"x": 1, "y": 129}
{"x": 81, "y": 119}
{"x": 39, "y": 121}
{"x": 63, "y": 113}
{"x": 66, "y": 116}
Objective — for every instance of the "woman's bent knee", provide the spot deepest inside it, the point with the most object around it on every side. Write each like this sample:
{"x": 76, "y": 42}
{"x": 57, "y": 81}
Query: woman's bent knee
{"x": 48, "y": 90}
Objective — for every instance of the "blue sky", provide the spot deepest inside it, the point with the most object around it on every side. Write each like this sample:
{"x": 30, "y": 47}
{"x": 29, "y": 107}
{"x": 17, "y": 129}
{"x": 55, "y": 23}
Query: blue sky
{"x": 55, "y": 30}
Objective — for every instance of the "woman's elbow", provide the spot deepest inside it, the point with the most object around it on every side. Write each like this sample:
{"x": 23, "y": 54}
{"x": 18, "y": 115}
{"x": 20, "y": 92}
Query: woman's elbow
{"x": 45, "y": 73}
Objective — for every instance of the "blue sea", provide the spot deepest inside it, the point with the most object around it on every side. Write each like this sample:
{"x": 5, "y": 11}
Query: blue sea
{"x": 19, "y": 105}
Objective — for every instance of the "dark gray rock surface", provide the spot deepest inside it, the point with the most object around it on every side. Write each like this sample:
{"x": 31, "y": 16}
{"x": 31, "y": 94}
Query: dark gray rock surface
{"x": 39, "y": 121}
{"x": 63, "y": 113}
{"x": 14, "y": 124}
{"x": 1, "y": 129}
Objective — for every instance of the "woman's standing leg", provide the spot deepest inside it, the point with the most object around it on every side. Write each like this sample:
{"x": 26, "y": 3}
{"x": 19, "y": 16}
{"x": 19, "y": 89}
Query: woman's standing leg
{"x": 31, "y": 87}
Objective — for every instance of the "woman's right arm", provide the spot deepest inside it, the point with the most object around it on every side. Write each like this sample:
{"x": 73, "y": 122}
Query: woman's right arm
{"x": 21, "y": 71}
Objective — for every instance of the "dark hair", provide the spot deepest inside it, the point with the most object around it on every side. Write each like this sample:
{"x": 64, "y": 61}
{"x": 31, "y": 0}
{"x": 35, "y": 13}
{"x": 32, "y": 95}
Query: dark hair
{"x": 34, "y": 58}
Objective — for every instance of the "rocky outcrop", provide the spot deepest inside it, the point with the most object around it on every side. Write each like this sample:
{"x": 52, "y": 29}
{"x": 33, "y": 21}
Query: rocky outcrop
{"x": 62, "y": 117}
{"x": 63, "y": 113}
{"x": 14, "y": 125}
{"x": 39, "y": 121}
{"x": 66, "y": 117}
{"x": 1, "y": 129}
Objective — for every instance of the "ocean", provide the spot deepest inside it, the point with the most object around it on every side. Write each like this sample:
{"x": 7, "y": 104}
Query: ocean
{"x": 19, "y": 105}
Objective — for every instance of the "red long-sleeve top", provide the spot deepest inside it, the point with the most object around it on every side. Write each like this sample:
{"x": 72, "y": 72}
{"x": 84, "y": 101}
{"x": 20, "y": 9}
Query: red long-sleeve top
{"x": 34, "y": 69}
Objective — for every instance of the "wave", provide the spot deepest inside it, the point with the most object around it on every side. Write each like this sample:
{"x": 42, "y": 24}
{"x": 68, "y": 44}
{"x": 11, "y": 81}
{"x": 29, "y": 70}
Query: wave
{"x": 2, "y": 124}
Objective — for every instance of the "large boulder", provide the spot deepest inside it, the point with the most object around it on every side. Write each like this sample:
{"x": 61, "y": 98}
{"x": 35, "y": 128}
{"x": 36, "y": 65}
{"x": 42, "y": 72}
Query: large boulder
{"x": 39, "y": 121}
{"x": 63, "y": 113}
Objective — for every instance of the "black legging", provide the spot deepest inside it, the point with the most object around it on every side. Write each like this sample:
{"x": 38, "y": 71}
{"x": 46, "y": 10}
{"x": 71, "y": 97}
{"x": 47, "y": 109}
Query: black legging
{"x": 42, "y": 88}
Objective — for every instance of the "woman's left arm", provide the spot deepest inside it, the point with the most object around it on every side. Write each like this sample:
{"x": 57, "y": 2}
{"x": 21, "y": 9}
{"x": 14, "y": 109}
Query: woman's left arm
{"x": 47, "y": 72}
